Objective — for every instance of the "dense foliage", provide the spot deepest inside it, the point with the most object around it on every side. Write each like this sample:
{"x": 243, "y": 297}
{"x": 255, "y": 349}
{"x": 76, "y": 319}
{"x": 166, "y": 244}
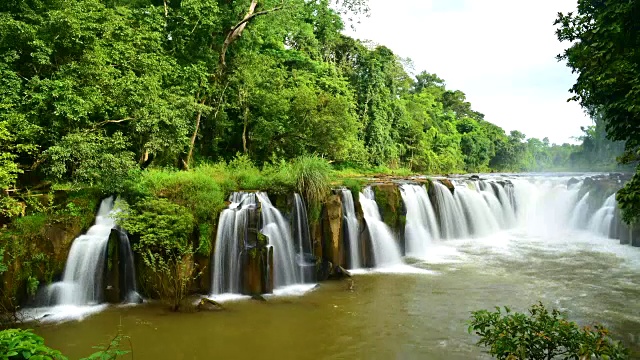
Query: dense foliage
{"x": 541, "y": 335}
{"x": 605, "y": 53}
{"x": 24, "y": 344}
{"x": 91, "y": 91}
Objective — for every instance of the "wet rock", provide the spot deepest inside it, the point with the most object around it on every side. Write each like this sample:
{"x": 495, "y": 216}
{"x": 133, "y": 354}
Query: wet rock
{"x": 258, "y": 297}
{"x": 448, "y": 184}
{"x": 339, "y": 273}
{"x": 207, "y": 304}
{"x": 572, "y": 181}
{"x": 474, "y": 177}
{"x": 332, "y": 230}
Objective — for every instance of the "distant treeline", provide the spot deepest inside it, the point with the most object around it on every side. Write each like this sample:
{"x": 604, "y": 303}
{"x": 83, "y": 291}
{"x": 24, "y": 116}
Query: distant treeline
{"x": 91, "y": 91}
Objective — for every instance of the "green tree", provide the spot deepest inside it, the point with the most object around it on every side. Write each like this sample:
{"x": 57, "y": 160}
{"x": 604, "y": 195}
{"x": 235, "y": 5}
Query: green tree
{"x": 605, "y": 53}
{"x": 541, "y": 335}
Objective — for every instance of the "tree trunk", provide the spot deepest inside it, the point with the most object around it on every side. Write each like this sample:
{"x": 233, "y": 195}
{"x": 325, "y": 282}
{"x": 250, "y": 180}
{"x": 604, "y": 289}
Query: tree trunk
{"x": 244, "y": 130}
{"x": 193, "y": 137}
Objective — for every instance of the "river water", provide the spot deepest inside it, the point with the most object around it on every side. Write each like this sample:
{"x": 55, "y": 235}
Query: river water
{"x": 391, "y": 316}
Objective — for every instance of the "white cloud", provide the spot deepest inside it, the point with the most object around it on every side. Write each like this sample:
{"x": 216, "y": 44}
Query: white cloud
{"x": 501, "y": 53}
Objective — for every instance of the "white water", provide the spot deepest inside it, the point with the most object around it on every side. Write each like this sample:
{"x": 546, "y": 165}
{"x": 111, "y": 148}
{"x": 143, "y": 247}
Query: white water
{"x": 601, "y": 221}
{"x": 230, "y": 241}
{"x": 286, "y": 270}
{"x": 302, "y": 239}
{"x": 421, "y": 227}
{"x": 82, "y": 281}
{"x": 453, "y": 222}
{"x": 385, "y": 247}
{"x": 352, "y": 233}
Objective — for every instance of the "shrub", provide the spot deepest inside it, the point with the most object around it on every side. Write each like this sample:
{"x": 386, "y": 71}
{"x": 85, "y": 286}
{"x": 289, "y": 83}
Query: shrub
{"x": 23, "y": 344}
{"x": 541, "y": 335}
{"x": 165, "y": 247}
{"x": 312, "y": 181}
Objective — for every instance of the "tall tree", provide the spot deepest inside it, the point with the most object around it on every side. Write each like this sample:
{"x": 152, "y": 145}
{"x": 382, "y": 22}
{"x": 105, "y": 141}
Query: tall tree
{"x": 605, "y": 53}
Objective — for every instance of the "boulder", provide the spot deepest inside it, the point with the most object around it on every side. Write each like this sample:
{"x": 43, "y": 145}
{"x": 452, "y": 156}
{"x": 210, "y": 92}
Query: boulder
{"x": 332, "y": 249}
{"x": 572, "y": 181}
{"x": 206, "y": 304}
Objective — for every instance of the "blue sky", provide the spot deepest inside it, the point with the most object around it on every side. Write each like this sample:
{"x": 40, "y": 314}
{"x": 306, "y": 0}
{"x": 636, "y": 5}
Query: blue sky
{"x": 501, "y": 53}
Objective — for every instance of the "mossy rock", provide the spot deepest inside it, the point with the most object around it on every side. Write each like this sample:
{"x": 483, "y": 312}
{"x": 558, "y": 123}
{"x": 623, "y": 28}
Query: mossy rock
{"x": 390, "y": 203}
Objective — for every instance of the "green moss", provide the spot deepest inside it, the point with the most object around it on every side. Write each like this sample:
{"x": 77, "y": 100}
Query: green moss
{"x": 389, "y": 201}
{"x": 263, "y": 240}
{"x": 355, "y": 185}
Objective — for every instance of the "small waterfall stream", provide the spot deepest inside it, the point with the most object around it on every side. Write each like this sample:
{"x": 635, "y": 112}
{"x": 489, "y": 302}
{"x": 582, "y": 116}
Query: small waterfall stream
{"x": 422, "y": 226}
{"x": 302, "y": 239}
{"x": 82, "y": 281}
{"x": 352, "y": 229}
{"x": 603, "y": 218}
{"x": 385, "y": 248}
{"x": 286, "y": 269}
{"x": 230, "y": 241}
{"x": 128, "y": 270}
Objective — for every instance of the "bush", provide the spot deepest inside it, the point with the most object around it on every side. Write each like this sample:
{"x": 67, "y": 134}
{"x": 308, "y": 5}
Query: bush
{"x": 165, "y": 247}
{"x": 23, "y": 344}
{"x": 312, "y": 181}
{"x": 541, "y": 335}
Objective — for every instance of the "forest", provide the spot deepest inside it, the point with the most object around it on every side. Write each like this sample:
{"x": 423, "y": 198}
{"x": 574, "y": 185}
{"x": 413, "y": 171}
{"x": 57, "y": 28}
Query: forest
{"x": 93, "y": 91}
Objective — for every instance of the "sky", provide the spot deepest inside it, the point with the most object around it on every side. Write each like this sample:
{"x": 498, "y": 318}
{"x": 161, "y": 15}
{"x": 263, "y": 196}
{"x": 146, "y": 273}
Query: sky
{"x": 500, "y": 53}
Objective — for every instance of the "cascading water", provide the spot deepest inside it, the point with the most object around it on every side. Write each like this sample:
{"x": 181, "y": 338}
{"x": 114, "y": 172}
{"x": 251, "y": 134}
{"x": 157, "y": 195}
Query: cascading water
{"x": 422, "y": 226}
{"x": 385, "y": 248}
{"x": 302, "y": 239}
{"x": 230, "y": 241}
{"x": 286, "y": 270}
{"x": 603, "y": 218}
{"x": 82, "y": 281}
{"x": 481, "y": 218}
{"x": 580, "y": 213}
{"x": 352, "y": 229}
{"x": 453, "y": 221}
{"x": 128, "y": 271}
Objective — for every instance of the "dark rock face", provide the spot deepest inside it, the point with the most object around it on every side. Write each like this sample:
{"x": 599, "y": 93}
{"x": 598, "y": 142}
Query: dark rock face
{"x": 332, "y": 250}
{"x": 572, "y": 181}
{"x": 448, "y": 184}
{"x": 392, "y": 209}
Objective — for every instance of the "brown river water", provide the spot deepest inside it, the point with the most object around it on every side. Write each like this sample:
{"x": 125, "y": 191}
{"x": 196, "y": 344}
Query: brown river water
{"x": 389, "y": 315}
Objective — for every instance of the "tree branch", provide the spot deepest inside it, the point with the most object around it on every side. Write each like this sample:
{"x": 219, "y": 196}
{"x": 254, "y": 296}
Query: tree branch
{"x": 236, "y": 30}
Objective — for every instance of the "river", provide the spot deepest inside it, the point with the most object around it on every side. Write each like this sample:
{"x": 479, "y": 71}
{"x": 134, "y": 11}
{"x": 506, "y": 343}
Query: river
{"x": 413, "y": 314}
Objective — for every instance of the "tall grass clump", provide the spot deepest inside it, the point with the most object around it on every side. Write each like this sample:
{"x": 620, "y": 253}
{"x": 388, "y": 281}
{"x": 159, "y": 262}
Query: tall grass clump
{"x": 312, "y": 181}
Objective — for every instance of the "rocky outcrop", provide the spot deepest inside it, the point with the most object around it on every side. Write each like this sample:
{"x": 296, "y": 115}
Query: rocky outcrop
{"x": 392, "y": 209}
{"x": 332, "y": 249}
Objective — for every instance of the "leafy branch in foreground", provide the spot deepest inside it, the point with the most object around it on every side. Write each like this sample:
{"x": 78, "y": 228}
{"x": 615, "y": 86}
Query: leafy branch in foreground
{"x": 541, "y": 334}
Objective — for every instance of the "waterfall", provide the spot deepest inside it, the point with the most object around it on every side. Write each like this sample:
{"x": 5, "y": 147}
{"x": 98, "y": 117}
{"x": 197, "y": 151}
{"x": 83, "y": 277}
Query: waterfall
{"x": 128, "y": 271}
{"x": 453, "y": 221}
{"x": 421, "y": 227}
{"x": 603, "y": 218}
{"x": 385, "y": 248}
{"x": 352, "y": 229}
{"x": 82, "y": 281}
{"x": 302, "y": 239}
{"x": 275, "y": 227}
{"x": 580, "y": 213}
{"x": 230, "y": 241}
{"x": 480, "y": 216}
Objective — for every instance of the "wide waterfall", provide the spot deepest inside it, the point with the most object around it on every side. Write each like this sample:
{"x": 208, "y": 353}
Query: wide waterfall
{"x": 287, "y": 271}
{"x": 422, "y": 225}
{"x": 82, "y": 281}
{"x": 385, "y": 248}
{"x": 230, "y": 241}
{"x": 352, "y": 229}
